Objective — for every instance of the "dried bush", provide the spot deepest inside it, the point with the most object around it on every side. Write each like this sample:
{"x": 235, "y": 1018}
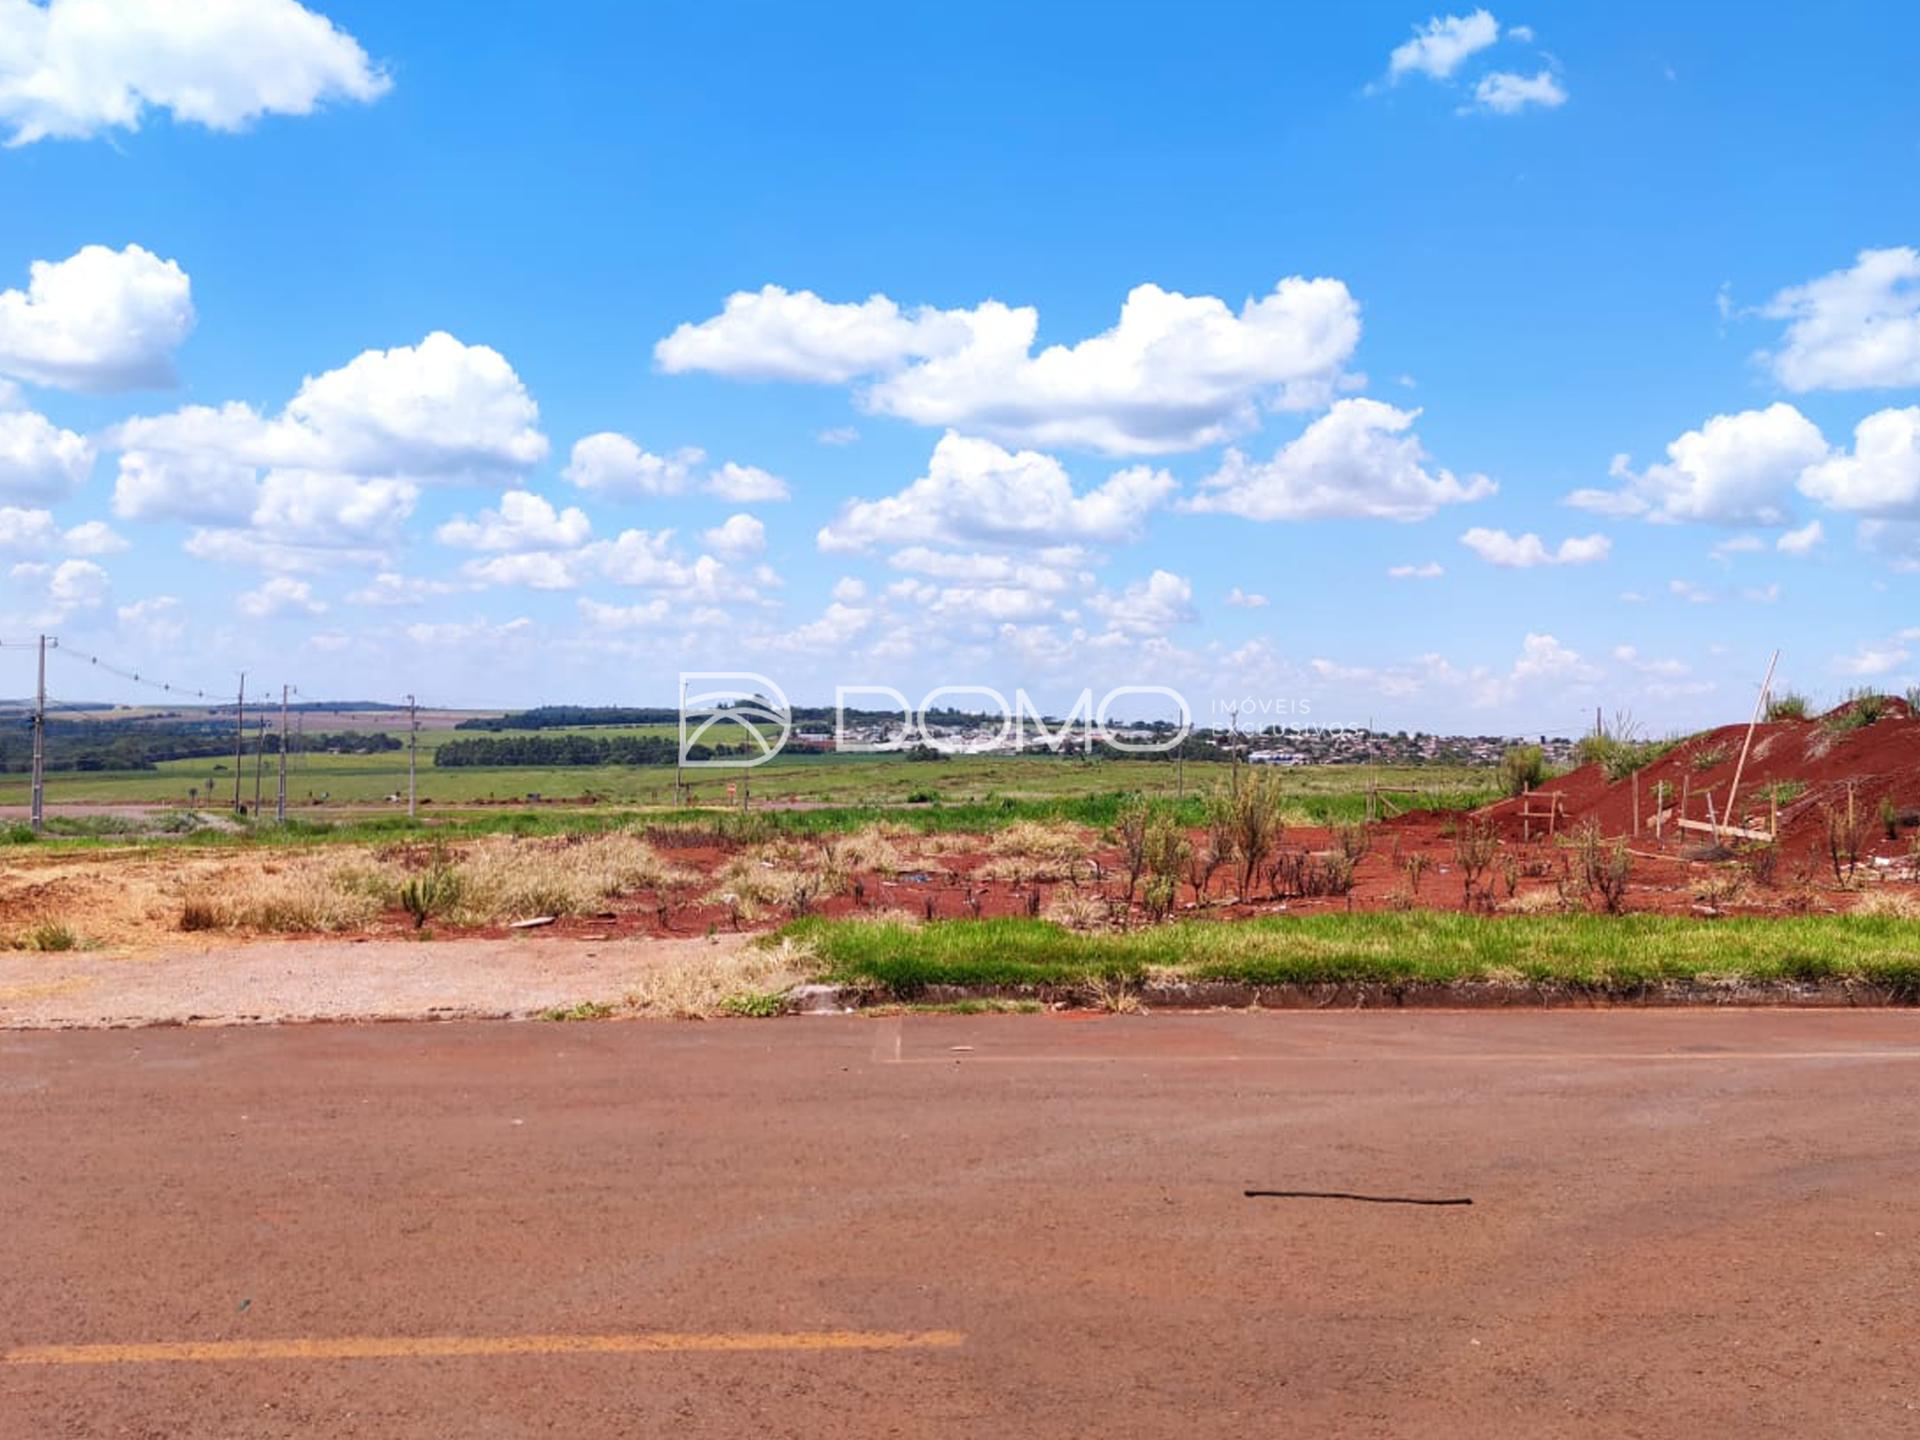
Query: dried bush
{"x": 1353, "y": 840}
{"x": 1415, "y": 866}
{"x": 1846, "y": 831}
{"x": 1604, "y": 868}
{"x": 1762, "y": 863}
{"x": 1474, "y": 846}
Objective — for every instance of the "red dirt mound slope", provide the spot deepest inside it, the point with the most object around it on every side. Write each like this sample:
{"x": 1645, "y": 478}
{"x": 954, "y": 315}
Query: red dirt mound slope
{"x": 1795, "y": 769}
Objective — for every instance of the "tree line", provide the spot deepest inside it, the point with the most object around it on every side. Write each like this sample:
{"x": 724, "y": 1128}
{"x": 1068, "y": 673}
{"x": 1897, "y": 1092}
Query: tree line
{"x": 116, "y": 745}
{"x": 570, "y": 750}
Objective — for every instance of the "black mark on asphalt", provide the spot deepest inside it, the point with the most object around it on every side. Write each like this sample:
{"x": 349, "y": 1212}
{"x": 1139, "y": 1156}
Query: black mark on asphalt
{"x": 1365, "y": 1199}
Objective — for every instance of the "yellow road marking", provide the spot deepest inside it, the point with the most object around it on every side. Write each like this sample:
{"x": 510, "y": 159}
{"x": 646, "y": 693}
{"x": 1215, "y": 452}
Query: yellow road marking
{"x": 396, "y": 1347}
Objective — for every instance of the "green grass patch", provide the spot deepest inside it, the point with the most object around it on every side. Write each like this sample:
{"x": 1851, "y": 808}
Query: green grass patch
{"x": 1598, "y": 953}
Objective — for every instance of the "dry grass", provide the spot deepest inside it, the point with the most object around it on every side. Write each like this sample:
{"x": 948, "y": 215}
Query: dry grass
{"x": 1027, "y": 852}
{"x": 1897, "y": 904}
{"x": 506, "y": 878}
{"x": 1076, "y": 910}
{"x": 871, "y": 849}
{"x": 698, "y": 982}
{"x": 1532, "y": 902}
{"x": 300, "y": 896}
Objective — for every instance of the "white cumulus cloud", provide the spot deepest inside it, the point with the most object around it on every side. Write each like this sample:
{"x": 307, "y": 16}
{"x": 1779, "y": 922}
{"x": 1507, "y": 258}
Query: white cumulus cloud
{"x": 1360, "y": 459}
{"x": 280, "y": 595}
{"x": 39, "y": 460}
{"x": 975, "y": 491}
{"x": 340, "y": 467}
{"x": 1881, "y": 476}
{"x": 1439, "y": 47}
{"x": 1853, "y": 329}
{"x": 1523, "y": 552}
{"x": 524, "y": 521}
{"x": 1176, "y": 372}
{"x": 1734, "y": 470}
{"x": 70, "y": 69}
{"x": 99, "y": 320}
{"x": 1505, "y": 93}
{"x": 611, "y": 464}
{"x": 739, "y": 536}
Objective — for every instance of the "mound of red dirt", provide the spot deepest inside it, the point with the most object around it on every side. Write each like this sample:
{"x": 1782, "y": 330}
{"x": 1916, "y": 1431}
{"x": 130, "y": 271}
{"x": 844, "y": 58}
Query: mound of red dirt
{"x": 1796, "y": 772}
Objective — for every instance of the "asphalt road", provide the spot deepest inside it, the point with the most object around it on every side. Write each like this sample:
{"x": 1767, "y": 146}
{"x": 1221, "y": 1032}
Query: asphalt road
{"x": 1683, "y": 1224}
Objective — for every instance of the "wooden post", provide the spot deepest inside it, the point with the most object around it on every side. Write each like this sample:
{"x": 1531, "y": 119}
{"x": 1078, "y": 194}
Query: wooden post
{"x": 1686, "y": 793}
{"x": 1773, "y": 813}
{"x": 1759, "y": 708}
{"x": 1636, "y": 804}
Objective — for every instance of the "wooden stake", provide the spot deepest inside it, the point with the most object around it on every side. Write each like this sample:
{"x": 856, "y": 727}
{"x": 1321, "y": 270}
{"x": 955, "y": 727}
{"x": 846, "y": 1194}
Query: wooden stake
{"x": 1636, "y": 804}
{"x": 1759, "y": 708}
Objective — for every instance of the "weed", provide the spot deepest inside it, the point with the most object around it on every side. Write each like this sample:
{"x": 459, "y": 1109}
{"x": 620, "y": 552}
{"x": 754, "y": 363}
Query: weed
{"x": 585, "y": 1010}
{"x": 755, "y": 1004}
{"x": 429, "y": 896}
{"x": 49, "y": 936}
{"x": 1116, "y": 994}
{"x": 1861, "y": 708}
{"x": 1788, "y": 705}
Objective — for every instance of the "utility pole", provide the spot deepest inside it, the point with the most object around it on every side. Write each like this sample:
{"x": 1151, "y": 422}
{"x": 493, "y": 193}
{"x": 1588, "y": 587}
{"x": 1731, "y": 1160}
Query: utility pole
{"x": 413, "y": 750}
{"x": 239, "y": 740}
{"x": 259, "y": 764}
{"x": 280, "y": 810}
{"x": 680, "y": 747}
{"x": 40, "y": 742}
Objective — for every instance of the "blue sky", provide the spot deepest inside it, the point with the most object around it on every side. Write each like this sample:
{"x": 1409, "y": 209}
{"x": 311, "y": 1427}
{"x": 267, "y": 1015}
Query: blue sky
{"x": 1427, "y": 274}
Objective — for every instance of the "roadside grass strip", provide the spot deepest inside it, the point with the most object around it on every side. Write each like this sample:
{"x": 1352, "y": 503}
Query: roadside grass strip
{"x": 1600, "y": 954}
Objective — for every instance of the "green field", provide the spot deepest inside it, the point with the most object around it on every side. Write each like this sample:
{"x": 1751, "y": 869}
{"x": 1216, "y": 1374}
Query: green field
{"x": 318, "y": 781}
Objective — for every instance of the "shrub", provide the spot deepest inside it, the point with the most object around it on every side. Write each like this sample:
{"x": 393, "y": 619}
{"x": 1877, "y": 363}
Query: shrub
{"x": 1253, "y": 823}
{"x": 1620, "y": 751}
{"x": 1522, "y": 768}
{"x": 1131, "y": 829}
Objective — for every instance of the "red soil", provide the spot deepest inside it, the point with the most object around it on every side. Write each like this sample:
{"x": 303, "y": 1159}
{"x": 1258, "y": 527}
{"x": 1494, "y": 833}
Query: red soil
{"x": 1875, "y": 763}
